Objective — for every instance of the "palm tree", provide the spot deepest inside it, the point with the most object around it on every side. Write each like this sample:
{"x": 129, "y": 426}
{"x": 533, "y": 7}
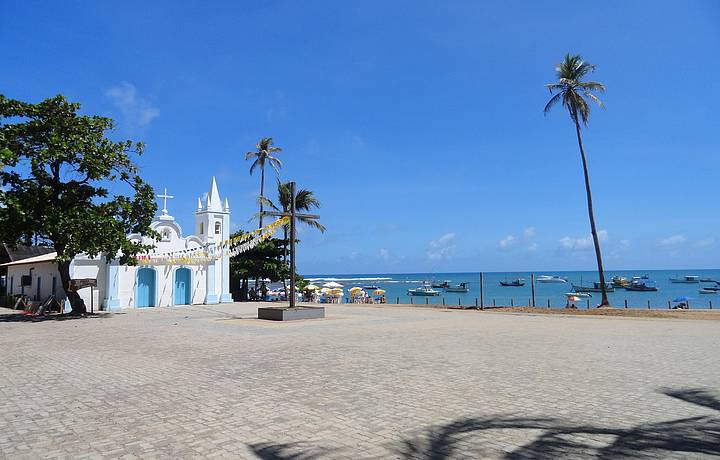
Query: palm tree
{"x": 575, "y": 95}
{"x": 263, "y": 155}
{"x": 305, "y": 200}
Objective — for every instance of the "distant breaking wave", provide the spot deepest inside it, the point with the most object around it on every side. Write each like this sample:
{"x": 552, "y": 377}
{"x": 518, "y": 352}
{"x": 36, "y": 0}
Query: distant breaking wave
{"x": 348, "y": 279}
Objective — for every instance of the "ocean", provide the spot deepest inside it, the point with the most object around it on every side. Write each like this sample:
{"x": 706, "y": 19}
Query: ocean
{"x": 396, "y": 286}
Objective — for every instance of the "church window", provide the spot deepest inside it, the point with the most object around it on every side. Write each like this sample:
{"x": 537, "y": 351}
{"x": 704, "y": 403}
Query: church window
{"x": 217, "y": 228}
{"x": 166, "y": 234}
{"x": 201, "y": 228}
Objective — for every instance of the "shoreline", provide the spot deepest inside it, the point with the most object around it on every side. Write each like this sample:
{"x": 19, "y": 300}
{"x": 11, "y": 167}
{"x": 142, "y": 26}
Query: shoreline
{"x": 697, "y": 314}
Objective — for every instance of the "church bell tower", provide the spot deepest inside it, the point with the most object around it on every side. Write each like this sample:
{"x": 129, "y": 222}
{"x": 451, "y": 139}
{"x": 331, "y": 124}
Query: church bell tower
{"x": 212, "y": 225}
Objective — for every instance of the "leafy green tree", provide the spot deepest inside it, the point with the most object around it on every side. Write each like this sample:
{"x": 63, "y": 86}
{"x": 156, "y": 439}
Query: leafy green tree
{"x": 575, "y": 95}
{"x": 264, "y": 155}
{"x": 57, "y": 167}
{"x": 264, "y": 261}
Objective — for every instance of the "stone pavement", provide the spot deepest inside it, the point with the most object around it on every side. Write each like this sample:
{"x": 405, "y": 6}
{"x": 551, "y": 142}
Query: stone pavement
{"x": 211, "y": 381}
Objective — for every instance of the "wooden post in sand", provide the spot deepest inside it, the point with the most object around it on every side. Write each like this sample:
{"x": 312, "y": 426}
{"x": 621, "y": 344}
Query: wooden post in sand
{"x": 482, "y": 298}
{"x": 532, "y": 286}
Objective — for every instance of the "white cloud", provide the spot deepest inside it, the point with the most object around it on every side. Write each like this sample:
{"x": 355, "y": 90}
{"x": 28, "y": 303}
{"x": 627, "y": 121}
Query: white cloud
{"x": 507, "y": 242}
{"x": 705, "y": 243}
{"x": 384, "y": 254}
{"x": 529, "y": 232}
{"x": 135, "y": 110}
{"x": 673, "y": 240}
{"x": 442, "y": 248}
{"x": 624, "y": 244}
{"x": 581, "y": 244}
{"x": 533, "y": 247}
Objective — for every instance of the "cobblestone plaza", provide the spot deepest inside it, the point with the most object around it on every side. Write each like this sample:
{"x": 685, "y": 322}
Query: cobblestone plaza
{"x": 366, "y": 382}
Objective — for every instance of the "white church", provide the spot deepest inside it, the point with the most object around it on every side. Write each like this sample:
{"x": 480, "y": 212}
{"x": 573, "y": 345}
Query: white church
{"x": 197, "y": 281}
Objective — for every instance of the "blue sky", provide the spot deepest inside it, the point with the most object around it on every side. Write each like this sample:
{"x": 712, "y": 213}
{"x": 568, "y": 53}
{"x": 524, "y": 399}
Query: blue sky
{"x": 419, "y": 125}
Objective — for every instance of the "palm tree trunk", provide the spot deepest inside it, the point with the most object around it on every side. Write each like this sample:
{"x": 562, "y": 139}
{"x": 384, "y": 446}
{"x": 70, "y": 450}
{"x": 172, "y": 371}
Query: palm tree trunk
{"x": 262, "y": 193}
{"x": 604, "y": 301}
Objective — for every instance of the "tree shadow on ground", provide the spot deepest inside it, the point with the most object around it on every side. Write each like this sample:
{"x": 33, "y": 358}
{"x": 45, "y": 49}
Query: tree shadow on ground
{"x": 25, "y": 318}
{"x": 558, "y": 438}
{"x": 288, "y": 451}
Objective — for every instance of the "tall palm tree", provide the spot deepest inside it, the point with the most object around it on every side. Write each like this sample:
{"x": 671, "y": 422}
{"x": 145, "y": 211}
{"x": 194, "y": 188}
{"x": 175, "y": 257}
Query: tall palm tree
{"x": 263, "y": 155}
{"x": 575, "y": 95}
{"x": 305, "y": 200}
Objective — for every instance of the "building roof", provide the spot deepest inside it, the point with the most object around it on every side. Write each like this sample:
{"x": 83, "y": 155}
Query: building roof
{"x": 49, "y": 257}
{"x": 10, "y": 254}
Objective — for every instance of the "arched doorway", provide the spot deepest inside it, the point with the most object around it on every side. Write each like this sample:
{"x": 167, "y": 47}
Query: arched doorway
{"x": 182, "y": 286}
{"x": 145, "y": 288}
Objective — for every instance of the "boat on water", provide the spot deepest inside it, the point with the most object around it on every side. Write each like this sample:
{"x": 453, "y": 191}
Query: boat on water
{"x": 640, "y": 284}
{"x": 440, "y": 284}
{"x": 424, "y": 290}
{"x": 550, "y": 279}
{"x": 571, "y": 296}
{"x": 517, "y": 282}
{"x": 707, "y": 291}
{"x": 707, "y": 280}
{"x": 462, "y": 287}
{"x": 688, "y": 279}
{"x": 371, "y": 287}
{"x": 596, "y": 287}
{"x": 620, "y": 281}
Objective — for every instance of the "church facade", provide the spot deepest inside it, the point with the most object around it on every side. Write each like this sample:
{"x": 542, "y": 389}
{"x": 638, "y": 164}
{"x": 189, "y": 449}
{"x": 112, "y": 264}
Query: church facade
{"x": 158, "y": 282}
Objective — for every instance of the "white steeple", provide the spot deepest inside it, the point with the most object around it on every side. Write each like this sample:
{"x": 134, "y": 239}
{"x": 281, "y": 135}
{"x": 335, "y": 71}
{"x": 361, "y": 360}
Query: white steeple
{"x": 226, "y": 207}
{"x": 214, "y": 202}
{"x": 199, "y": 204}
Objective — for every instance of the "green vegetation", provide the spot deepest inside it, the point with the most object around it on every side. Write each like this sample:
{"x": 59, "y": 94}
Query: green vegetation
{"x": 262, "y": 155}
{"x": 56, "y": 167}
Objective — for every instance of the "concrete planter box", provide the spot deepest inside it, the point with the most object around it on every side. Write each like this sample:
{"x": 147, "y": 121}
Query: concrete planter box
{"x": 288, "y": 314}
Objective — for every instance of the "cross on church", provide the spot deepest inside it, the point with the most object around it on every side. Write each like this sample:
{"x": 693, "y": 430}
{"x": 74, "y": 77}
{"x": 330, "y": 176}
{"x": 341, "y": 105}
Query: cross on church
{"x": 293, "y": 215}
{"x": 165, "y": 197}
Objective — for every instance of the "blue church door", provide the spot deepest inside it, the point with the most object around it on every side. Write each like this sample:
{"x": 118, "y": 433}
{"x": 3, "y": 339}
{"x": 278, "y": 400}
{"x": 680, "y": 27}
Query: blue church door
{"x": 182, "y": 286}
{"x": 145, "y": 288}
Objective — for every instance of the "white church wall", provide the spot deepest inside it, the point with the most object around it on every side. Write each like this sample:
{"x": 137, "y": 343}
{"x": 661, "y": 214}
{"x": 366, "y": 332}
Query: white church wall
{"x": 164, "y": 284}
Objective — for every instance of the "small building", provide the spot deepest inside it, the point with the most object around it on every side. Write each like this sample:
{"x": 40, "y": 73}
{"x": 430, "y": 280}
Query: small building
{"x": 172, "y": 279}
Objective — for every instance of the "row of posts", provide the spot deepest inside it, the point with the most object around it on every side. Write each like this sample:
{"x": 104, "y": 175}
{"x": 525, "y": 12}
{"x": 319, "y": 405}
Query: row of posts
{"x": 480, "y": 301}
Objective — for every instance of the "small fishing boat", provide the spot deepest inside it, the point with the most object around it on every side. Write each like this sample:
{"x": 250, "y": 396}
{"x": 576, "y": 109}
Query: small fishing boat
{"x": 596, "y": 287}
{"x": 707, "y": 291}
{"x": 462, "y": 287}
{"x": 441, "y": 285}
{"x": 641, "y": 285}
{"x": 423, "y": 290}
{"x": 688, "y": 279}
{"x": 711, "y": 288}
{"x": 371, "y": 287}
{"x": 517, "y": 282}
{"x": 550, "y": 279}
{"x": 620, "y": 281}
{"x": 577, "y": 295}
{"x": 707, "y": 280}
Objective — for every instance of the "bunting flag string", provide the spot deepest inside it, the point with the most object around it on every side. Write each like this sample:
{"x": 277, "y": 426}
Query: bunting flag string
{"x": 206, "y": 254}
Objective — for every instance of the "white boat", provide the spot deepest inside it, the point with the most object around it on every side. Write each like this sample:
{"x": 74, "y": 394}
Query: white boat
{"x": 462, "y": 287}
{"x": 688, "y": 279}
{"x": 423, "y": 290}
{"x": 708, "y": 291}
{"x": 550, "y": 279}
{"x": 577, "y": 295}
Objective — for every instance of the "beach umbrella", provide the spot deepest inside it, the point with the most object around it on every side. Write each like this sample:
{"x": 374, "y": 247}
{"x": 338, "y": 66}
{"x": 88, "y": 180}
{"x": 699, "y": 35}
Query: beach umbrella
{"x": 311, "y": 287}
{"x": 682, "y": 298}
{"x": 336, "y": 291}
{"x": 379, "y": 292}
{"x": 332, "y": 284}
{"x": 355, "y": 289}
